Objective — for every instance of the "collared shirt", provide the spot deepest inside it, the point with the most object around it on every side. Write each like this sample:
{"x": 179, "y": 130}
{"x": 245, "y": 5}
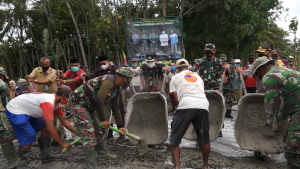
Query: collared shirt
{"x": 174, "y": 38}
{"x": 40, "y": 75}
{"x": 164, "y": 38}
{"x": 76, "y": 76}
{"x": 135, "y": 39}
{"x": 100, "y": 72}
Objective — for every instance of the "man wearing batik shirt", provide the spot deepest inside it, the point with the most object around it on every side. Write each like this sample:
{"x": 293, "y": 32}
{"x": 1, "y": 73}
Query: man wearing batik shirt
{"x": 32, "y": 112}
{"x": 281, "y": 98}
{"x": 73, "y": 75}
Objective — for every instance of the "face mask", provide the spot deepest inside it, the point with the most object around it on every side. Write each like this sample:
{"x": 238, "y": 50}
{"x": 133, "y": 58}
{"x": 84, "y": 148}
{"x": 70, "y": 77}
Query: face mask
{"x": 45, "y": 68}
{"x": 163, "y": 32}
{"x": 150, "y": 64}
{"x": 134, "y": 65}
{"x": 172, "y": 68}
{"x": 209, "y": 54}
{"x": 104, "y": 67}
{"x": 125, "y": 85}
{"x": 274, "y": 56}
{"x": 75, "y": 69}
{"x": 237, "y": 65}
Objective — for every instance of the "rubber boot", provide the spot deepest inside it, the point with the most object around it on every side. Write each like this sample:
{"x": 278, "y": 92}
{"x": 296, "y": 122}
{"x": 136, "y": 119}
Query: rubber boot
{"x": 90, "y": 157}
{"x": 228, "y": 114}
{"x": 45, "y": 148}
{"x": 23, "y": 158}
{"x": 102, "y": 152}
{"x": 10, "y": 154}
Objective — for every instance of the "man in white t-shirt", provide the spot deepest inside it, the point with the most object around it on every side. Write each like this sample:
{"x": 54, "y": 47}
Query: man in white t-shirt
{"x": 32, "y": 112}
{"x": 164, "y": 38}
{"x": 188, "y": 90}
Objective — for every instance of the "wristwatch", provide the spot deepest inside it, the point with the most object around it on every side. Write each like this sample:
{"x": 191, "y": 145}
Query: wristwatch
{"x": 64, "y": 81}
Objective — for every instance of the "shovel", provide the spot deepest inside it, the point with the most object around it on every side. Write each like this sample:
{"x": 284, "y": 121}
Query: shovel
{"x": 142, "y": 145}
{"x": 74, "y": 142}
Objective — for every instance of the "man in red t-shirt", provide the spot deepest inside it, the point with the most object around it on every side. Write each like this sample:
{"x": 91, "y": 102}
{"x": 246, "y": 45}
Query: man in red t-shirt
{"x": 250, "y": 81}
{"x": 73, "y": 75}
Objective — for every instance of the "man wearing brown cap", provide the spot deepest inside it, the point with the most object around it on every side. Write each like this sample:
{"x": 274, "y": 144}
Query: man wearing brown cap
{"x": 30, "y": 113}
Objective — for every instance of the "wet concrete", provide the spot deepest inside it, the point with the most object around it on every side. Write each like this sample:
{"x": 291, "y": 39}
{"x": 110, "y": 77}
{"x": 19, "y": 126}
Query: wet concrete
{"x": 250, "y": 131}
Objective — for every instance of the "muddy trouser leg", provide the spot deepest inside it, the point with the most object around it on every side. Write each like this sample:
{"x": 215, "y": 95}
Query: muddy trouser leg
{"x": 124, "y": 101}
{"x": 107, "y": 112}
{"x": 6, "y": 142}
{"x": 291, "y": 148}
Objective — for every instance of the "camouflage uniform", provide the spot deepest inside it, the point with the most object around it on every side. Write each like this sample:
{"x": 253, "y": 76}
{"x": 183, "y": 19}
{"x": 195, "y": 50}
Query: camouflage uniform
{"x": 153, "y": 37}
{"x": 227, "y": 86}
{"x": 144, "y": 40}
{"x": 282, "y": 102}
{"x": 83, "y": 102}
{"x": 211, "y": 72}
{"x": 5, "y": 134}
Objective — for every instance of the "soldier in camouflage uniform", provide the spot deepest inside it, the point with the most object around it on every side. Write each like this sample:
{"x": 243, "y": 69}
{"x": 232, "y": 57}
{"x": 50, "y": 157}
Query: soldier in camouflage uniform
{"x": 153, "y": 37}
{"x": 227, "y": 87}
{"x": 282, "y": 95}
{"x": 6, "y": 138}
{"x": 211, "y": 69}
{"x": 144, "y": 40}
{"x": 92, "y": 96}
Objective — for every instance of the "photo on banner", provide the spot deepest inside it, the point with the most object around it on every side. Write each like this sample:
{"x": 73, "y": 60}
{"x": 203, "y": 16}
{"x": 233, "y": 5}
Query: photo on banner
{"x": 162, "y": 36}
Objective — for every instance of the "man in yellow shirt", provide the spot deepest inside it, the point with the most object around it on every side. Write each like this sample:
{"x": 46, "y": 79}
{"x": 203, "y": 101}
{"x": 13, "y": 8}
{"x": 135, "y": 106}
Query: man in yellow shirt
{"x": 45, "y": 76}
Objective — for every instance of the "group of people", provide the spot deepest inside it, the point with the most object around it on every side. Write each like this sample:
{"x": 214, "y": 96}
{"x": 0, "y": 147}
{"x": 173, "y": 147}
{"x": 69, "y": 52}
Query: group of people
{"x": 94, "y": 98}
{"x": 155, "y": 42}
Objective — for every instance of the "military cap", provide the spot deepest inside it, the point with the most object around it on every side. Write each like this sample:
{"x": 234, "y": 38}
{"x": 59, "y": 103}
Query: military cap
{"x": 260, "y": 62}
{"x": 263, "y": 48}
{"x": 223, "y": 56}
{"x": 150, "y": 57}
{"x": 4, "y": 73}
{"x": 125, "y": 71}
{"x": 209, "y": 46}
{"x": 83, "y": 67}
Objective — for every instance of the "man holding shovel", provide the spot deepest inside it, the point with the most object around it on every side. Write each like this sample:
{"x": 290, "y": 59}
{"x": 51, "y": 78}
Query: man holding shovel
{"x": 92, "y": 96}
{"x": 281, "y": 98}
{"x": 188, "y": 90}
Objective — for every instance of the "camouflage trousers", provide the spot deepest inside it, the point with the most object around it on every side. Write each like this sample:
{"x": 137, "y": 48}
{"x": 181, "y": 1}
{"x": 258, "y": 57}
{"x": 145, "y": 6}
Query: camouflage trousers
{"x": 154, "y": 47}
{"x": 86, "y": 122}
{"x": 227, "y": 94}
{"x": 292, "y": 147}
{"x": 5, "y": 134}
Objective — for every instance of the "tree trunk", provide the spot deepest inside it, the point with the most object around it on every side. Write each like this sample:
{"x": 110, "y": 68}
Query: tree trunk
{"x": 78, "y": 33}
{"x": 145, "y": 9}
{"x": 163, "y": 5}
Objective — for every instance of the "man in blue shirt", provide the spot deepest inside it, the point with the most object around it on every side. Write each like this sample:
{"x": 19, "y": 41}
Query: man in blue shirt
{"x": 174, "y": 41}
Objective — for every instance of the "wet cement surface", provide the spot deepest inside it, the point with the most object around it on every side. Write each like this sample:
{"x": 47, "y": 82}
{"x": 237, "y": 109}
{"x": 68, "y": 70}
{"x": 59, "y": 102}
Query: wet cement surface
{"x": 225, "y": 153}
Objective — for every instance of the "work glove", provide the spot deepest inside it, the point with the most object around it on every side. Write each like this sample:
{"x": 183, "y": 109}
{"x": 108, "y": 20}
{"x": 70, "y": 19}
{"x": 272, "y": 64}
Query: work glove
{"x": 141, "y": 88}
{"x": 128, "y": 89}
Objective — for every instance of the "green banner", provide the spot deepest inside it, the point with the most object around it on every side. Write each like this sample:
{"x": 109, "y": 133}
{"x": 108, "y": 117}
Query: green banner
{"x": 162, "y": 36}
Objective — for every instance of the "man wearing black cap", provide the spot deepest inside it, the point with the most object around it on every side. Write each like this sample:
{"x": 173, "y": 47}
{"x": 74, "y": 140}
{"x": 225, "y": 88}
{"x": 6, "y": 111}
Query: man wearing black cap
{"x": 105, "y": 68}
{"x": 152, "y": 74}
{"x": 72, "y": 74}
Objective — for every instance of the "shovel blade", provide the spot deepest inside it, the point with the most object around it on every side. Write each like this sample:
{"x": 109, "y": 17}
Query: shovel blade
{"x": 142, "y": 147}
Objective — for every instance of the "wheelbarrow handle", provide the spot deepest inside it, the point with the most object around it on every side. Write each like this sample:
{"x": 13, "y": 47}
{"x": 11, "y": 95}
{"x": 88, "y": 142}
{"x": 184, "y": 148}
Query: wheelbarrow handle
{"x": 121, "y": 132}
{"x": 244, "y": 88}
{"x": 30, "y": 84}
